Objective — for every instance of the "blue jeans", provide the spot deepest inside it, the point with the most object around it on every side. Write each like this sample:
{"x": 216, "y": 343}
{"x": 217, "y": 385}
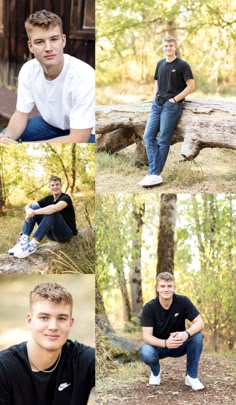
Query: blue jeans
{"x": 39, "y": 130}
{"x": 162, "y": 119}
{"x": 192, "y": 347}
{"x": 53, "y": 226}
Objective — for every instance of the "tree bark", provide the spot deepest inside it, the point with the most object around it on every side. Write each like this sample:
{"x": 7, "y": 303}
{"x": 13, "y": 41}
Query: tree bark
{"x": 125, "y": 295}
{"x": 102, "y": 320}
{"x": 166, "y": 234}
{"x": 135, "y": 271}
{"x": 204, "y": 124}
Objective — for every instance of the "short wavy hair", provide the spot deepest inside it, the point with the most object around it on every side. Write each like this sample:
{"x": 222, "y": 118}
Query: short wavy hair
{"x": 52, "y": 292}
{"x": 165, "y": 275}
{"x": 43, "y": 19}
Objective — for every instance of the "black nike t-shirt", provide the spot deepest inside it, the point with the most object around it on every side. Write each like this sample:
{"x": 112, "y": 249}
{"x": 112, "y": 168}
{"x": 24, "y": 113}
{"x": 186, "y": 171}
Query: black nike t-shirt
{"x": 165, "y": 321}
{"x": 69, "y": 384}
{"x": 68, "y": 212}
{"x": 171, "y": 77}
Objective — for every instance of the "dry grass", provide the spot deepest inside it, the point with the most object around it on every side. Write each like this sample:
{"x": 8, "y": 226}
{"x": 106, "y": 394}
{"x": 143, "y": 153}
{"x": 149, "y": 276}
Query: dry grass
{"x": 105, "y": 363}
{"x": 213, "y": 171}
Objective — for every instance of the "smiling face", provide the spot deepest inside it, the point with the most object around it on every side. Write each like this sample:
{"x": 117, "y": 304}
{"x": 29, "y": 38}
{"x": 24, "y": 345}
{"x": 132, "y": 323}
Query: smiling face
{"x": 50, "y": 323}
{"x": 47, "y": 45}
{"x": 55, "y": 188}
{"x": 169, "y": 48}
{"x": 166, "y": 289}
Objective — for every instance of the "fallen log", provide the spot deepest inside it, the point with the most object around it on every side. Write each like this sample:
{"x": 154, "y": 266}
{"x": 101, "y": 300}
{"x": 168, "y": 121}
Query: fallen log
{"x": 36, "y": 263}
{"x": 204, "y": 124}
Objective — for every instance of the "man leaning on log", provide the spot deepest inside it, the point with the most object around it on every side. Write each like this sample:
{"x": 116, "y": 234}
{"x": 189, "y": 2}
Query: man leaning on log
{"x": 174, "y": 81}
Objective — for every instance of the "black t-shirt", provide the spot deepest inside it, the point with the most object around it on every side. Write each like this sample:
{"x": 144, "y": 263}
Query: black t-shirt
{"x": 69, "y": 384}
{"x": 165, "y": 321}
{"x": 171, "y": 77}
{"x": 68, "y": 212}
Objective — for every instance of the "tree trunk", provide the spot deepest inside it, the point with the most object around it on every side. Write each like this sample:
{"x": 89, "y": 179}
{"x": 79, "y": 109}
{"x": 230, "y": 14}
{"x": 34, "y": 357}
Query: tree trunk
{"x": 204, "y": 124}
{"x": 135, "y": 272}
{"x": 73, "y": 167}
{"x": 166, "y": 234}
{"x": 125, "y": 295}
{"x": 102, "y": 320}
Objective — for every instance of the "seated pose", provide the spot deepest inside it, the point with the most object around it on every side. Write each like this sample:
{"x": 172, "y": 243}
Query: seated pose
{"x": 49, "y": 369}
{"x": 165, "y": 335}
{"x": 61, "y": 86}
{"x": 55, "y": 216}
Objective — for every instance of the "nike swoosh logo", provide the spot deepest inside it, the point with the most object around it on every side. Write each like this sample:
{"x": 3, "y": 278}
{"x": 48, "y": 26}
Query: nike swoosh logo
{"x": 63, "y": 386}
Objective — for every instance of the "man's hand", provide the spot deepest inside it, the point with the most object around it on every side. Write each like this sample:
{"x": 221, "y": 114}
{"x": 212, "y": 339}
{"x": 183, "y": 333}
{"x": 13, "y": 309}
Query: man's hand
{"x": 176, "y": 340}
{"x": 29, "y": 214}
{"x": 171, "y": 100}
{"x": 5, "y": 139}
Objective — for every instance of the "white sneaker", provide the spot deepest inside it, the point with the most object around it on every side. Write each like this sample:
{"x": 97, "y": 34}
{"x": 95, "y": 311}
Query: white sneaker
{"x": 20, "y": 242}
{"x": 155, "y": 379}
{"x": 24, "y": 251}
{"x": 151, "y": 180}
{"x": 194, "y": 383}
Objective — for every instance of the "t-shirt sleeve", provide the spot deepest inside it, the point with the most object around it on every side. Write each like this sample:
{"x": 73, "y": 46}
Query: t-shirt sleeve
{"x": 147, "y": 316}
{"x": 187, "y": 72}
{"x": 191, "y": 312}
{"x": 25, "y": 101}
{"x": 44, "y": 202}
{"x": 156, "y": 72}
{"x": 82, "y": 114}
{"x": 66, "y": 198}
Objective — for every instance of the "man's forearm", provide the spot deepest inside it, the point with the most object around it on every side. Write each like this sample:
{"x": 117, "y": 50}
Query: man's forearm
{"x": 153, "y": 341}
{"x": 50, "y": 209}
{"x": 196, "y": 327}
{"x": 17, "y": 125}
{"x": 189, "y": 89}
{"x": 81, "y": 136}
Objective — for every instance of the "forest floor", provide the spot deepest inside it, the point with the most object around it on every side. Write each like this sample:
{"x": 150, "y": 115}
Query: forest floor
{"x": 129, "y": 383}
{"x": 213, "y": 171}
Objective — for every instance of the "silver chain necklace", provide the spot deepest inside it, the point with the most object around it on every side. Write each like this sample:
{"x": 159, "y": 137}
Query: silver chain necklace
{"x": 47, "y": 371}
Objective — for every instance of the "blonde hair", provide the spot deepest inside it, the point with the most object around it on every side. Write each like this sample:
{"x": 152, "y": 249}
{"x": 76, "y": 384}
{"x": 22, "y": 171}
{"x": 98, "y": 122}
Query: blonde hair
{"x": 54, "y": 178}
{"x": 43, "y": 19}
{"x": 165, "y": 275}
{"x": 169, "y": 38}
{"x": 53, "y": 292}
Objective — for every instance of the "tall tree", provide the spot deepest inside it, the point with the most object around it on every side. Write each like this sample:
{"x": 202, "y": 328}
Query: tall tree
{"x": 135, "y": 270}
{"x": 166, "y": 234}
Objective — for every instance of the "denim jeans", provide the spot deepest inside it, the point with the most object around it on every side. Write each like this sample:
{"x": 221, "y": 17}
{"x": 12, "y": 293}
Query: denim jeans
{"x": 53, "y": 226}
{"x": 162, "y": 119}
{"x": 39, "y": 130}
{"x": 192, "y": 347}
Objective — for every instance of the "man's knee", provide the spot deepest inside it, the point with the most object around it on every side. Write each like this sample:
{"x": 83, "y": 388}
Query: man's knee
{"x": 147, "y": 353}
{"x": 35, "y": 206}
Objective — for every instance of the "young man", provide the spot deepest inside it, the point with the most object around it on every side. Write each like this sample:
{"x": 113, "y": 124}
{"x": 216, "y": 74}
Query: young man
{"x": 164, "y": 332}
{"x": 49, "y": 369}
{"x": 55, "y": 216}
{"x": 174, "y": 81}
{"x": 62, "y": 88}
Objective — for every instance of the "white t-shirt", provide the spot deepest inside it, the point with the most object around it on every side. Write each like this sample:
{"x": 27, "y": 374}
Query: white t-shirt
{"x": 66, "y": 102}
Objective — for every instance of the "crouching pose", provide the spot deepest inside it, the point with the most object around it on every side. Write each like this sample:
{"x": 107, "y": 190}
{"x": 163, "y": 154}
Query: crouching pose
{"x": 165, "y": 335}
{"x": 55, "y": 216}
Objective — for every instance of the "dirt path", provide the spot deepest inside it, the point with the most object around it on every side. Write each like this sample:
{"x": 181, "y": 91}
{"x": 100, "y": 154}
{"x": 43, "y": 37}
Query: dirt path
{"x": 218, "y": 373}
